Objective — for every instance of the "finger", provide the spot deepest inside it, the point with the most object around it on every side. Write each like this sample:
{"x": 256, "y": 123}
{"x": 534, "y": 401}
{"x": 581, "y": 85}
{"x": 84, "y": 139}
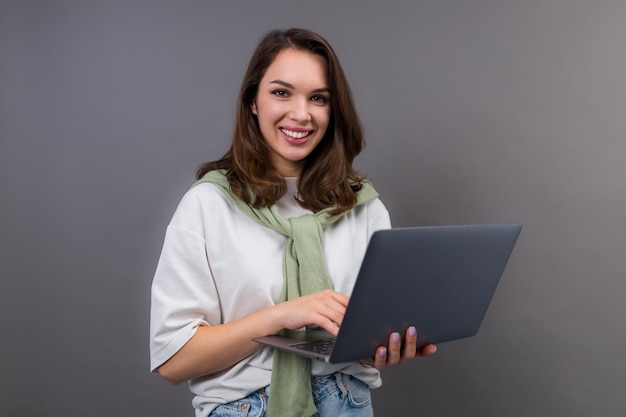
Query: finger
{"x": 329, "y": 318}
{"x": 395, "y": 345}
{"x": 330, "y": 327}
{"x": 333, "y": 311}
{"x": 427, "y": 350}
{"x": 380, "y": 359}
{"x": 312, "y": 310}
{"x": 410, "y": 343}
{"x": 340, "y": 298}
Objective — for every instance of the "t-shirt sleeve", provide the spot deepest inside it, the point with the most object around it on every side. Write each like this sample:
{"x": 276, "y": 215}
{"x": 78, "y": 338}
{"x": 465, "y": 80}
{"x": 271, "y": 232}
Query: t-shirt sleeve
{"x": 378, "y": 217}
{"x": 183, "y": 291}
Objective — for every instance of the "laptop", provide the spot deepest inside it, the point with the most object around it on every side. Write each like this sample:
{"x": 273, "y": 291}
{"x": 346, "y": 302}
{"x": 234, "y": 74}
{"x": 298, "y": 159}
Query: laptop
{"x": 439, "y": 279}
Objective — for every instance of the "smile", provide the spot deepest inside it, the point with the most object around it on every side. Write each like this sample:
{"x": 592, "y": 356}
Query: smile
{"x": 296, "y": 135}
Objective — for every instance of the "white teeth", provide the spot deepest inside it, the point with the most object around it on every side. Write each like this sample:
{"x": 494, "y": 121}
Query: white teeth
{"x": 295, "y": 135}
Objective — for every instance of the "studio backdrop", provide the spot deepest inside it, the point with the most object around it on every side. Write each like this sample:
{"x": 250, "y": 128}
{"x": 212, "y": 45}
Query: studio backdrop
{"x": 474, "y": 112}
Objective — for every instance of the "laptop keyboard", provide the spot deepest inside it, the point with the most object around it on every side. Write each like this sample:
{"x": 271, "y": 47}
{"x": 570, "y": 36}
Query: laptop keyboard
{"x": 322, "y": 346}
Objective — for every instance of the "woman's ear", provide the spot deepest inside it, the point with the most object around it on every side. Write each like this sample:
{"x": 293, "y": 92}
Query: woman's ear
{"x": 253, "y": 107}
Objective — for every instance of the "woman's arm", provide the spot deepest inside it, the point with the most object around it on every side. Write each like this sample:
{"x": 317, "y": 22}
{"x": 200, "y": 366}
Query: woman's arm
{"x": 215, "y": 348}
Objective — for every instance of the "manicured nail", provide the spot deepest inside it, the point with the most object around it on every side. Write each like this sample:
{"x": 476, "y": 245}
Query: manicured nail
{"x": 382, "y": 352}
{"x": 395, "y": 337}
{"x": 412, "y": 331}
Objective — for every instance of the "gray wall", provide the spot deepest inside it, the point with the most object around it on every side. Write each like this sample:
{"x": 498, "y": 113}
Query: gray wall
{"x": 475, "y": 111}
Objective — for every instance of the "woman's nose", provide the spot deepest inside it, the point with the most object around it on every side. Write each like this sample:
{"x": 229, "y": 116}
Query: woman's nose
{"x": 300, "y": 111}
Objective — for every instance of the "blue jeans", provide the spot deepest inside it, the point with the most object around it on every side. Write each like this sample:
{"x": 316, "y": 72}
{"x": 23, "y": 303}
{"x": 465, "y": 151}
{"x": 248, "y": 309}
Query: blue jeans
{"x": 336, "y": 395}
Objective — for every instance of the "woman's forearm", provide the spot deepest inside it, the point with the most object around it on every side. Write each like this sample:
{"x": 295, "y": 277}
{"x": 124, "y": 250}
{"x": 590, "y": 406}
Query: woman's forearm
{"x": 215, "y": 348}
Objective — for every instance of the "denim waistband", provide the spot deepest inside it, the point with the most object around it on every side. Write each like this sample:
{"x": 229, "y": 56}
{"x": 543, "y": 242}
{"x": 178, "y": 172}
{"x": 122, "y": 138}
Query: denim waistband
{"x": 327, "y": 384}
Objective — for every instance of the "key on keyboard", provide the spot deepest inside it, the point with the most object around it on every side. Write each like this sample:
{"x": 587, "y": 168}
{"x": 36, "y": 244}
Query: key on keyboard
{"x": 318, "y": 346}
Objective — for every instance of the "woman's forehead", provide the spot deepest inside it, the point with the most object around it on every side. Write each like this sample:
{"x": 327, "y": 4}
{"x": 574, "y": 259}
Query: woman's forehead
{"x": 299, "y": 69}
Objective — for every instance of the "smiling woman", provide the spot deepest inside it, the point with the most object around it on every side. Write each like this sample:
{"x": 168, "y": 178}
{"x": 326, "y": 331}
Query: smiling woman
{"x": 248, "y": 252}
{"x": 293, "y": 108}
{"x": 326, "y": 176}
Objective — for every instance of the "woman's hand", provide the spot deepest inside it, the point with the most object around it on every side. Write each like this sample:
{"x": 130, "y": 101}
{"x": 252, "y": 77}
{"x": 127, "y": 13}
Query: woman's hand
{"x": 395, "y": 353}
{"x": 324, "y": 308}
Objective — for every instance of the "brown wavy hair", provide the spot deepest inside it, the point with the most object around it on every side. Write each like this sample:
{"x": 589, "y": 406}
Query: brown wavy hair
{"x": 328, "y": 178}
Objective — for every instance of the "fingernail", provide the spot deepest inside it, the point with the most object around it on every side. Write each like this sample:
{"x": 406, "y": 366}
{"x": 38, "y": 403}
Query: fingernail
{"x": 412, "y": 331}
{"x": 382, "y": 352}
{"x": 395, "y": 337}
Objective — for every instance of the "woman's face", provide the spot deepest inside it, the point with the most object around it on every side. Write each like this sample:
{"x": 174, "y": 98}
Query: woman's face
{"x": 292, "y": 106}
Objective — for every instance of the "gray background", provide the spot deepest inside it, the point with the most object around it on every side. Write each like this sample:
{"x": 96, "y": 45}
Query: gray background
{"x": 474, "y": 111}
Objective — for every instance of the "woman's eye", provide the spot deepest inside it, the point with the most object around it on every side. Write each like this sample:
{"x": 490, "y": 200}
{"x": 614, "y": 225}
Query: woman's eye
{"x": 280, "y": 93}
{"x": 319, "y": 99}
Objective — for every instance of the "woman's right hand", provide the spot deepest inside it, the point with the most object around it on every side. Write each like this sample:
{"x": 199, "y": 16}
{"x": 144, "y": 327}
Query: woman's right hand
{"x": 324, "y": 308}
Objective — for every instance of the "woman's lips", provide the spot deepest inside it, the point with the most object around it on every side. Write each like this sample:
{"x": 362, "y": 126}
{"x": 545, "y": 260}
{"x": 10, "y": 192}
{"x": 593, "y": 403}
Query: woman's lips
{"x": 296, "y": 136}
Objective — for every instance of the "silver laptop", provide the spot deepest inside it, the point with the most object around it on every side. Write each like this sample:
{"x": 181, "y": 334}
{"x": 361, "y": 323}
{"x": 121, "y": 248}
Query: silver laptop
{"x": 439, "y": 279}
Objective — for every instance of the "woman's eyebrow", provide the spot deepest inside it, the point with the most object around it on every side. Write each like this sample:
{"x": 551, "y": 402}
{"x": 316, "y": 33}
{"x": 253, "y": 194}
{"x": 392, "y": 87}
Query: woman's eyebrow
{"x": 291, "y": 86}
{"x": 283, "y": 83}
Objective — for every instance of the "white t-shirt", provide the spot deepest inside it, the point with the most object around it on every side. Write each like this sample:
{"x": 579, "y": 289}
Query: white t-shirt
{"x": 218, "y": 265}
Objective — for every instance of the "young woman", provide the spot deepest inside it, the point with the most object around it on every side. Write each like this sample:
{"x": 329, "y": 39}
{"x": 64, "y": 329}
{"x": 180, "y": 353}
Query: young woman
{"x": 270, "y": 238}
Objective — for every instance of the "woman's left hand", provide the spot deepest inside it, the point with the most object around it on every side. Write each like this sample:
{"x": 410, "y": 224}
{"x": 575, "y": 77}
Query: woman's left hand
{"x": 395, "y": 353}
